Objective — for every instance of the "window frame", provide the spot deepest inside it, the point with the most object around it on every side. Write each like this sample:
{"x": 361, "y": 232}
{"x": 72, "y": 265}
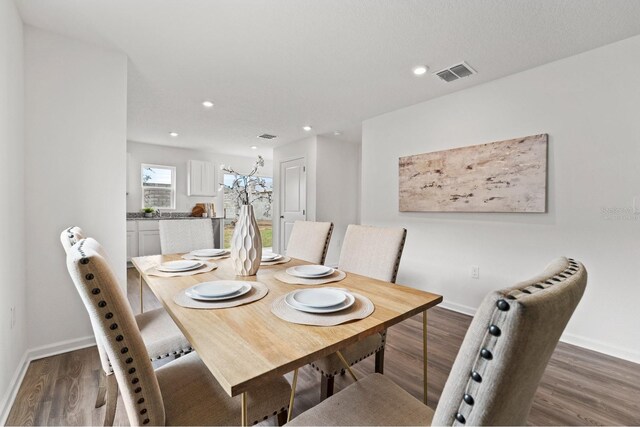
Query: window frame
{"x": 144, "y": 166}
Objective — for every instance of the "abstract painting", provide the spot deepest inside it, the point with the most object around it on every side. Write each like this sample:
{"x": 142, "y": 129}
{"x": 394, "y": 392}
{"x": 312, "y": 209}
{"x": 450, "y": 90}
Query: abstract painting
{"x": 503, "y": 176}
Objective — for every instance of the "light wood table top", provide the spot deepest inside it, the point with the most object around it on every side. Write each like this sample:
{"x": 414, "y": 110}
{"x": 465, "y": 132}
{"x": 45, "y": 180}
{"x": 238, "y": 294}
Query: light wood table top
{"x": 246, "y": 346}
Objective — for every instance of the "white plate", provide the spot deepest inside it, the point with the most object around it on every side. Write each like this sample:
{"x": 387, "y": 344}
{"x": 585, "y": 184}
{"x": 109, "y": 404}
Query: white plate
{"x": 319, "y": 298}
{"x": 344, "y": 305}
{"x": 271, "y": 257}
{"x": 219, "y": 288}
{"x": 174, "y": 266}
{"x": 310, "y": 271}
{"x": 246, "y": 287}
{"x": 208, "y": 252}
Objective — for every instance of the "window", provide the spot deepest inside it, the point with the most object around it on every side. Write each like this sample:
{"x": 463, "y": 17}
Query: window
{"x": 158, "y": 186}
{"x": 261, "y": 198}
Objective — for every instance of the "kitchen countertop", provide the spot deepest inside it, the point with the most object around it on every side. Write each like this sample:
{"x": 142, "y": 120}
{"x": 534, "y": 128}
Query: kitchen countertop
{"x": 135, "y": 217}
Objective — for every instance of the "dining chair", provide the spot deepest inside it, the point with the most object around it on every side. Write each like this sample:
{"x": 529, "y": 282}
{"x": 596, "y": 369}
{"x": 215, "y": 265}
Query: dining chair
{"x": 309, "y": 241}
{"x": 182, "y": 392}
{"x": 185, "y": 235}
{"x": 498, "y": 368}
{"x": 373, "y": 252}
{"x": 161, "y": 336}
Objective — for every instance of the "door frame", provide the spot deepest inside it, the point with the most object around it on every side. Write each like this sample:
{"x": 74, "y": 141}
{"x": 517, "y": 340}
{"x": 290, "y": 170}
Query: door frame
{"x": 279, "y": 217}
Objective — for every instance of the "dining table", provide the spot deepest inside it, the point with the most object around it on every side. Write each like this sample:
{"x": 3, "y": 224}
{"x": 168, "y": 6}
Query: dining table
{"x": 247, "y": 345}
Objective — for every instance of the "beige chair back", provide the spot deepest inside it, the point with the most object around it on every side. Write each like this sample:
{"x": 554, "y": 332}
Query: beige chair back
{"x": 309, "y": 241}
{"x": 185, "y": 235}
{"x": 113, "y": 319}
{"x": 372, "y": 251}
{"x": 507, "y": 348}
{"x": 70, "y": 236}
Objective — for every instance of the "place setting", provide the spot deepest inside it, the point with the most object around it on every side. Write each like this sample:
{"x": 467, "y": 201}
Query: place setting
{"x": 310, "y": 275}
{"x": 181, "y": 268}
{"x": 322, "y": 306}
{"x": 220, "y": 294}
{"x": 272, "y": 258}
{"x": 211, "y": 254}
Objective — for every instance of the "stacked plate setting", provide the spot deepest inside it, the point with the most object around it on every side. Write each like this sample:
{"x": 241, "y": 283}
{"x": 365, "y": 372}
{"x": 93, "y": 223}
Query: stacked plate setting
{"x": 270, "y": 257}
{"x": 219, "y": 290}
{"x": 209, "y": 253}
{"x": 320, "y": 300}
{"x": 179, "y": 266}
{"x": 310, "y": 271}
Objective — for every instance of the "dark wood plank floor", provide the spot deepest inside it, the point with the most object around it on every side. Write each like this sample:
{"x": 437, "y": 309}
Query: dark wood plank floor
{"x": 580, "y": 387}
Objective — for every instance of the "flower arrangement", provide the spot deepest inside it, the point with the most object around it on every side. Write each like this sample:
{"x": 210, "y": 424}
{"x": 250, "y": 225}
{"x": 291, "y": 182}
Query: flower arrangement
{"x": 244, "y": 186}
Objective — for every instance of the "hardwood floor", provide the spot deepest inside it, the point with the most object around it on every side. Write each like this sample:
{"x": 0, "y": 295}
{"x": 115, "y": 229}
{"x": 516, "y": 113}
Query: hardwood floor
{"x": 579, "y": 387}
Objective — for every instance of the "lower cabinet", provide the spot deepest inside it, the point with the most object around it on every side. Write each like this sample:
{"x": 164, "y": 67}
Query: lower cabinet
{"x": 148, "y": 242}
{"x": 132, "y": 244}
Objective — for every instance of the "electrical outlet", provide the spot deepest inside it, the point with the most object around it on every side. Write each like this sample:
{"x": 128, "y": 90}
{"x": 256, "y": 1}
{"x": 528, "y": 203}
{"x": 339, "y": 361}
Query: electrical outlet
{"x": 475, "y": 272}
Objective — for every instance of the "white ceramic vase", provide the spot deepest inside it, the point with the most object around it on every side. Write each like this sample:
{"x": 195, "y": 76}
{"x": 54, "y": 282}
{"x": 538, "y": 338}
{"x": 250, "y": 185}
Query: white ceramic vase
{"x": 246, "y": 243}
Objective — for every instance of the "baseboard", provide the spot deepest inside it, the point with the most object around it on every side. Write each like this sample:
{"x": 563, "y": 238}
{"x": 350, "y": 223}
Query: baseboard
{"x": 35, "y": 354}
{"x": 12, "y": 390}
{"x": 601, "y": 347}
{"x": 459, "y": 308}
{"x": 60, "y": 347}
{"x": 577, "y": 340}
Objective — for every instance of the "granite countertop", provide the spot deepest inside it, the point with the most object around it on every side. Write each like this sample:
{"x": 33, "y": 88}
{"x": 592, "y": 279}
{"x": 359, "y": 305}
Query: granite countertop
{"x": 139, "y": 216}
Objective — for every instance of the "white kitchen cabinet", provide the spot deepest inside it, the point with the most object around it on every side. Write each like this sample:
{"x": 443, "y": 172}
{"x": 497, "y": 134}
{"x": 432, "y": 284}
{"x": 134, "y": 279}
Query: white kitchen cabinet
{"x": 202, "y": 179}
{"x": 148, "y": 242}
{"x": 132, "y": 244}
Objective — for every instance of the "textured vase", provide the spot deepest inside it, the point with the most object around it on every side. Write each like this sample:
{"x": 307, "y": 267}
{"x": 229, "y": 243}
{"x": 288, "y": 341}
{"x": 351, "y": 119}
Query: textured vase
{"x": 246, "y": 243}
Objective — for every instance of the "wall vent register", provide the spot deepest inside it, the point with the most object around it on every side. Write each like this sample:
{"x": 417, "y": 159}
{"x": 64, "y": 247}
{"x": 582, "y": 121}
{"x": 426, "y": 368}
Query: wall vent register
{"x": 455, "y": 72}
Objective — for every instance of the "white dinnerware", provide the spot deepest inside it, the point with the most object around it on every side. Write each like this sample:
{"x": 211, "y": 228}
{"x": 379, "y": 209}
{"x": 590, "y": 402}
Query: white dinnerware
{"x": 319, "y": 298}
{"x": 310, "y": 271}
{"x": 177, "y": 266}
{"x": 346, "y": 303}
{"x": 224, "y": 288}
{"x": 207, "y": 253}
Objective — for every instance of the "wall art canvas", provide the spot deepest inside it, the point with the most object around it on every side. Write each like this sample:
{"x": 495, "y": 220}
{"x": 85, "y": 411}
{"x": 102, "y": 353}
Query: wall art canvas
{"x": 503, "y": 176}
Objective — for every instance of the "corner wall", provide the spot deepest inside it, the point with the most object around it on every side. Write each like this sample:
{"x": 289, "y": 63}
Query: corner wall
{"x": 76, "y": 124}
{"x": 13, "y": 287}
{"x": 588, "y": 104}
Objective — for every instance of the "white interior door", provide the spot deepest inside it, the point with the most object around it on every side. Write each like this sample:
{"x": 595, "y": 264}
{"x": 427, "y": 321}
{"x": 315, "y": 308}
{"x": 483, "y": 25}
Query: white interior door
{"x": 293, "y": 197}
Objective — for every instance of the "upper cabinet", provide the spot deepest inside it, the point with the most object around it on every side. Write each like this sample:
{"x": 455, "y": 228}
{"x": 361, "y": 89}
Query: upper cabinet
{"x": 202, "y": 179}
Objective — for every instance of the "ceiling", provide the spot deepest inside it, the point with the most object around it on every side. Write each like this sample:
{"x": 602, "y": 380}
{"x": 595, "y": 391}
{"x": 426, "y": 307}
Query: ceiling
{"x": 274, "y": 66}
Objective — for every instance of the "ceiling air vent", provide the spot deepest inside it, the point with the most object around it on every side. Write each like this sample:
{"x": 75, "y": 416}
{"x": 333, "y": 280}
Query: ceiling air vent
{"x": 267, "y": 136}
{"x": 455, "y": 72}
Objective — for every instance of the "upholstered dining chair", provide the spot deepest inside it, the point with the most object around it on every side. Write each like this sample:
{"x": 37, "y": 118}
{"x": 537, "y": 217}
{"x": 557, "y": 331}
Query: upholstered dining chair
{"x": 373, "y": 252}
{"x": 185, "y": 235}
{"x": 182, "y": 392}
{"x": 309, "y": 241}
{"x": 160, "y": 335}
{"x": 496, "y": 373}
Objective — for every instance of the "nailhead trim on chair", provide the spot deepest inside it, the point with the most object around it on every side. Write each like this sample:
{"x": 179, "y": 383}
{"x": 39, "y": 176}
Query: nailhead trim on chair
{"x": 326, "y": 244}
{"x": 329, "y": 375}
{"x": 397, "y": 265}
{"x": 119, "y": 338}
{"x": 485, "y": 354}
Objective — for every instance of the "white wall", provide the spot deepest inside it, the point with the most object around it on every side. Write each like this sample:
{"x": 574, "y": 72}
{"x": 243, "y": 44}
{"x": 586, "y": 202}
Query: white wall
{"x": 588, "y": 104}
{"x": 76, "y": 117}
{"x": 179, "y": 157}
{"x": 12, "y": 213}
{"x": 337, "y": 189}
{"x": 333, "y": 187}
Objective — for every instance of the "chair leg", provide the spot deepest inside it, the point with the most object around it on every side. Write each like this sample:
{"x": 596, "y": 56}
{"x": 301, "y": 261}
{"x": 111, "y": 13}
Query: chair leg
{"x": 326, "y": 387}
{"x": 380, "y": 361}
{"x": 112, "y": 399}
{"x": 282, "y": 417}
{"x": 102, "y": 390}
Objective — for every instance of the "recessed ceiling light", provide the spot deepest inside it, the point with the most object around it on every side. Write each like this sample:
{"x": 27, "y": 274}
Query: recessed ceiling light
{"x": 420, "y": 70}
{"x": 173, "y": 134}
{"x": 254, "y": 147}
{"x": 207, "y": 104}
{"x": 306, "y": 128}
{"x": 337, "y": 133}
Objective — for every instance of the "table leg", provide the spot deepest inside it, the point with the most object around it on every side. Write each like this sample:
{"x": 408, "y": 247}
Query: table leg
{"x": 293, "y": 394}
{"x": 424, "y": 353}
{"x": 244, "y": 421}
{"x": 141, "y": 296}
{"x": 346, "y": 365}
